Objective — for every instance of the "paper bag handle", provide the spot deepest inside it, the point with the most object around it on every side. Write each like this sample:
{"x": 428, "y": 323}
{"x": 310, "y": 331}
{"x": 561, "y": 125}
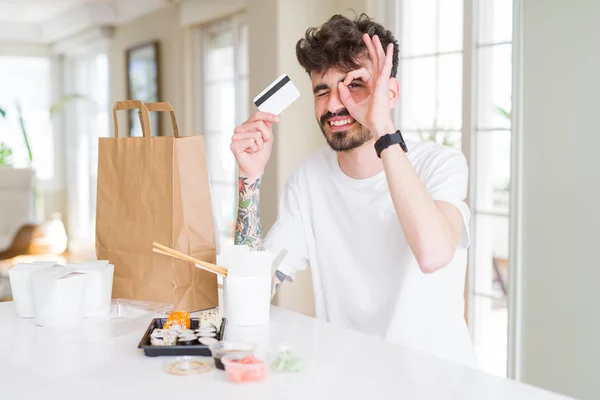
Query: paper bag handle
{"x": 164, "y": 106}
{"x": 132, "y": 105}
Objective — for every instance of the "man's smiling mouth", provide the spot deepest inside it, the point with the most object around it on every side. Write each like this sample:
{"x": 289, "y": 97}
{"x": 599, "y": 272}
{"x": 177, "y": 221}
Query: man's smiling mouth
{"x": 341, "y": 122}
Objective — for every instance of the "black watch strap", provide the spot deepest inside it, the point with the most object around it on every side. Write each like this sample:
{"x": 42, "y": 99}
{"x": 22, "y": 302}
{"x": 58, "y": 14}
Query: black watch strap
{"x": 389, "y": 139}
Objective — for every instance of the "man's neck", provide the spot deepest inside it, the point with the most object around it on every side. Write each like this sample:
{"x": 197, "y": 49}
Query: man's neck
{"x": 360, "y": 163}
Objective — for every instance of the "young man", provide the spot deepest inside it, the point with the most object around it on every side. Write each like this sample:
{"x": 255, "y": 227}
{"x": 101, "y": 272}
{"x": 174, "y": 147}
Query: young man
{"x": 383, "y": 224}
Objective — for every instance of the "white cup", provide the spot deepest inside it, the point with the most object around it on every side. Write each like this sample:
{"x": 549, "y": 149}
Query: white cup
{"x": 247, "y": 288}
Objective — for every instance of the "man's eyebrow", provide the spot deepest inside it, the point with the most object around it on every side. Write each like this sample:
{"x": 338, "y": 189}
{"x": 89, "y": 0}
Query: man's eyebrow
{"x": 319, "y": 87}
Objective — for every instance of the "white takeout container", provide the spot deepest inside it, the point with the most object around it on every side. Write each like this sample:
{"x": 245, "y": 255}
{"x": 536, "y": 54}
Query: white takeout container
{"x": 98, "y": 287}
{"x": 58, "y": 295}
{"x": 20, "y": 286}
{"x": 247, "y": 288}
{"x": 39, "y": 287}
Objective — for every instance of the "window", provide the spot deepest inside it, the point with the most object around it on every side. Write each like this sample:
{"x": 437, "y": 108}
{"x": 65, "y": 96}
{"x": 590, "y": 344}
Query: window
{"x": 25, "y": 84}
{"x": 433, "y": 64}
{"x": 224, "y": 99}
{"x": 430, "y": 70}
{"x": 490, "y": 163}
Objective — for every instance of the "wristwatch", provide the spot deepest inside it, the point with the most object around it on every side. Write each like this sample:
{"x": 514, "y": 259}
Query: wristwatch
{"x": 389, "y": 139}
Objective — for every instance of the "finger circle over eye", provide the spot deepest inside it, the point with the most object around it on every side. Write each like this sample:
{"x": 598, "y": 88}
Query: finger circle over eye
{"x": 361, "y": 73}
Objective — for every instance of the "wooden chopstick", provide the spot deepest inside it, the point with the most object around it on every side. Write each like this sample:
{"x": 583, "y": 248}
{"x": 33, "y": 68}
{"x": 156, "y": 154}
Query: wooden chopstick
{"x": 176, "y": 254}
{"x": 201, "y": 264}
{"x": 159, "y": 251}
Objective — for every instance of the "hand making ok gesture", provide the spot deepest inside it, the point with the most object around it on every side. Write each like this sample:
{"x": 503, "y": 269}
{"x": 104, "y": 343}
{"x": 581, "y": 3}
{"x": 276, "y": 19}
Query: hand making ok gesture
{"x": 372, "y": 112}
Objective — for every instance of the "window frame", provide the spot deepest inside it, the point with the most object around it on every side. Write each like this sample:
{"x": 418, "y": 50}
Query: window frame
{"x": 390, "y": 12}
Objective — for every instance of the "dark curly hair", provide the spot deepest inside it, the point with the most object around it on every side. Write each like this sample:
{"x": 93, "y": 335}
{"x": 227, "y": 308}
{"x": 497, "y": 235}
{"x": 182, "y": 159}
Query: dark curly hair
{"x": 338, "y": 43}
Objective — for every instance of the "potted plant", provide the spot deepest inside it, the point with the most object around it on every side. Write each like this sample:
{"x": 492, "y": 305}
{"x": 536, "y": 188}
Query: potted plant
{"x": 17, "y": 187}
{"x": 25, "y": 198}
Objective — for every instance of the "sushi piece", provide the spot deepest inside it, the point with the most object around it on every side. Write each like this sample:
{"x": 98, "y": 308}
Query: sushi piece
{"x": 206, "y": 334}
{"x": 207, "y": 340}
{"x": 213, "y": 312}
{"x": 180, "y": 318}
{"x": 206, "y": 331}
{"x": 162, "y": 337}
{"x": 175, "y": 328}
{"x": 186, "y": 336}
{"x": 210, "y": 318}
{"x": 187, "y": 341}
{"x": 206, "y": 325}
{"x": 186, "y": 332}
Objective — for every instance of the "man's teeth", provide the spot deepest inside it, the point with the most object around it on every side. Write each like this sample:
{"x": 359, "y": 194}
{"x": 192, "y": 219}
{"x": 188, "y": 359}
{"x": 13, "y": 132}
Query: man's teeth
{"x": 342, "y": 122}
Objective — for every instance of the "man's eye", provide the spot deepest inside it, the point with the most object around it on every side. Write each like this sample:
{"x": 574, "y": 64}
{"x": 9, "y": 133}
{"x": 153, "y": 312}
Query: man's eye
{"x": 321, "y": 94}
{"x": 353, "y": 85}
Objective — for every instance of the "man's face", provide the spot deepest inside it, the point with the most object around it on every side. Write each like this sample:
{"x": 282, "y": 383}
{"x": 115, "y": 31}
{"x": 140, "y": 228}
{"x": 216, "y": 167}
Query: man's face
{"x": 341, "y": 131}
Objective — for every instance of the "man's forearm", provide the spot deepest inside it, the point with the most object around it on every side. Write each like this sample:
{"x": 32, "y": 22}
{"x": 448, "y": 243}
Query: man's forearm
{"x": 429, "y": 226}
{"x": 248, "y": 229}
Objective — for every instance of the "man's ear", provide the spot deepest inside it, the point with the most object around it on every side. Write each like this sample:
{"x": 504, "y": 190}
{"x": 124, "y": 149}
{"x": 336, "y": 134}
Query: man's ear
{"x": 394, "y": 92}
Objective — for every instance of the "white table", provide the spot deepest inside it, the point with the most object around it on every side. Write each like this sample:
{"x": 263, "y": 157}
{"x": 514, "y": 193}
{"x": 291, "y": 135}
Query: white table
{"x": 37, "y": 363}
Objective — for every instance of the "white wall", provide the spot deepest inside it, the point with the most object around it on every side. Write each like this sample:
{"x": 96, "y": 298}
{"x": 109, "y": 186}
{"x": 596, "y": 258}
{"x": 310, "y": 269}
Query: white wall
{"x": 299, "y": 134}
{"x": 561, "y": 193}
{"x": 162, "y": 25}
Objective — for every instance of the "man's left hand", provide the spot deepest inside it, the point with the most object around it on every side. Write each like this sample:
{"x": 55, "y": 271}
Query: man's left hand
{"x": 372, "y": 112}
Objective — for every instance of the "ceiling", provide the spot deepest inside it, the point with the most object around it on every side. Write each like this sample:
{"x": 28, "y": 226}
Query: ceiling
{"x": 48, "y": 21}
{"x": 35, "y": 11}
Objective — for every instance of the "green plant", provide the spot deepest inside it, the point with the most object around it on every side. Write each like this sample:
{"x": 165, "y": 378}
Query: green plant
{"x": 5, "y": 155}
{"x": 5, "y": 151}
{"x": 506, "y": 114}
{"x": 54, "y": 108}
{"x": 62, "y": 102}
{"x": 24, "y": 133}
{"x": 441, "y": 136}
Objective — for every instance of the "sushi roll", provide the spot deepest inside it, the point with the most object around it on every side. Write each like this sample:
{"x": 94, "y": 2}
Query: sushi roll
{"x": 162, "y": 337}
{"x": 178, "y": 320}
{"x": 207, "y": 340}
{"x": 187, "y": 340}
{"x": 175, "y": 328}
{"x": 210, "y": 318}
{"x": 206, "y": 333}
{"x": 210, "y": 329}
{"x": 203, "y": 324}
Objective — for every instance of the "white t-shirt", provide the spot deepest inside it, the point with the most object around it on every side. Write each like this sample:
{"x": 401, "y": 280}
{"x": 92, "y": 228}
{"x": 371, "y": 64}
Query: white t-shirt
{"x": 365, "y": 277}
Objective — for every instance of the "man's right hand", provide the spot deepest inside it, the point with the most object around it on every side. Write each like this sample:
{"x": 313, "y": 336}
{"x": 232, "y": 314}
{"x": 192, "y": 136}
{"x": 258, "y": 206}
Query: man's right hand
{"x": 252, "y": 142}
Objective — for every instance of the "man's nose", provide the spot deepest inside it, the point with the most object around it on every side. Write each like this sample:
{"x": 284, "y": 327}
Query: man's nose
{"x": 334, "y": 104}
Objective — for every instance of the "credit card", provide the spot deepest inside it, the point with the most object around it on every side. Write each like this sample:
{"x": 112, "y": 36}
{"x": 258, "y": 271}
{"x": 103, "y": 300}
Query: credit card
{"x": 277, "y": 96}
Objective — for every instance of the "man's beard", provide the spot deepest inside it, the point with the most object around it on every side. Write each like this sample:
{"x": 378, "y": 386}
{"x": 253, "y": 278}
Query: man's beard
{"x": 347, "y": 140}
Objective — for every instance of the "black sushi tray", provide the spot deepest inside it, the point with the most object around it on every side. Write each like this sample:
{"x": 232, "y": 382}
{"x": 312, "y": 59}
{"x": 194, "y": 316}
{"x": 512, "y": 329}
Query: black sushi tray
{"x": 187, "y": 350}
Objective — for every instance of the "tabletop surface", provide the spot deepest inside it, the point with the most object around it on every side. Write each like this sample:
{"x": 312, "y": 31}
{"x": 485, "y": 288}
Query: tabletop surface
{"x": 102, "y": 361}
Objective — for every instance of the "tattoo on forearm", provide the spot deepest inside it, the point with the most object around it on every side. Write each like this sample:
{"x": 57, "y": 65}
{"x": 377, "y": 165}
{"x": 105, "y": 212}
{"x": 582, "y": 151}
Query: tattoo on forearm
{"x": 248, "y": 229}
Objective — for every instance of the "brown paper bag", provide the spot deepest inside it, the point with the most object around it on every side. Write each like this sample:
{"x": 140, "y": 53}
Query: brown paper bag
{"x": 155, "y": 189}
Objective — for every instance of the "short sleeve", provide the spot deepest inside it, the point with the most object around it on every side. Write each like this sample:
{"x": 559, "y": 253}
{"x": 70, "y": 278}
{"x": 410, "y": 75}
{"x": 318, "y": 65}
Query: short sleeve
{"x": 288, "y": 232}
{"x": 447, "y": 180}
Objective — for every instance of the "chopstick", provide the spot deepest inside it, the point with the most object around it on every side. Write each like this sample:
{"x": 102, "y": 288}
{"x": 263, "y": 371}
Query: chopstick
{"x": 159, "y": 251}
{"x": 167, "y": 251}
{"x": 164, "y": 250}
